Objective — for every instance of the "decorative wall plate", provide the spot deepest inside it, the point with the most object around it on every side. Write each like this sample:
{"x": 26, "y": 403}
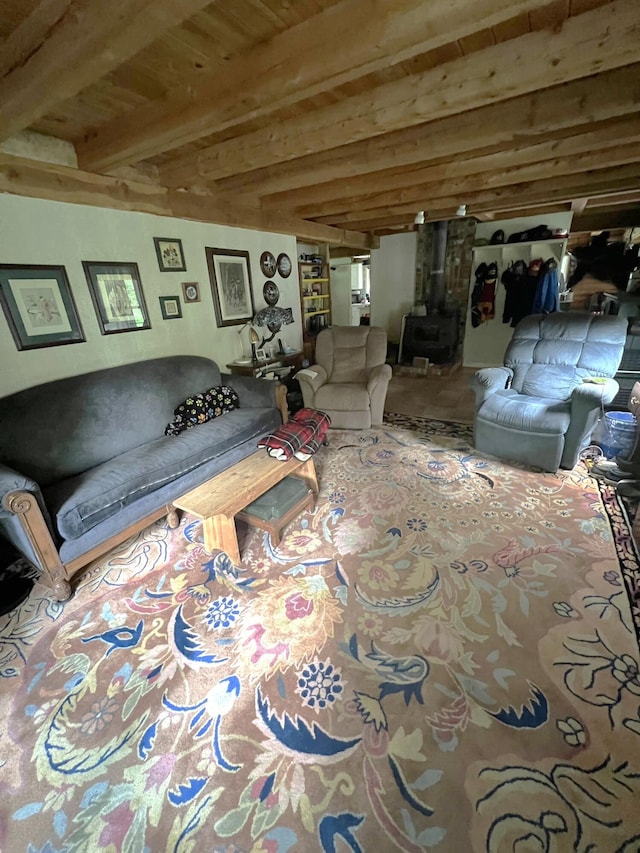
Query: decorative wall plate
{"x": 270, "y": 292}
{"x": 284, "y": 265}
{"x": 268, "y": 264}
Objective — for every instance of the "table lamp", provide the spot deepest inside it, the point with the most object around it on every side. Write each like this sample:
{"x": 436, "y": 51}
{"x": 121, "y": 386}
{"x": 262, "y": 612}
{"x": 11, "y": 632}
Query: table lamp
{"x": 254, "y": 338}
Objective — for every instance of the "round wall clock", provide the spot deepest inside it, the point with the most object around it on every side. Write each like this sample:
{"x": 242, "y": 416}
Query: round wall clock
{"x": 284, "y": 265}
{"x": 270, "y": 292}
{"x": 268, "y": 264}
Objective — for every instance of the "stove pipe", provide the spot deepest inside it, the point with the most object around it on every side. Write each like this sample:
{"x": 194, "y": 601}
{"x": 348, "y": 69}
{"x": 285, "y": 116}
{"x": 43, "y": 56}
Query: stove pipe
{"x": 437, "y": 286}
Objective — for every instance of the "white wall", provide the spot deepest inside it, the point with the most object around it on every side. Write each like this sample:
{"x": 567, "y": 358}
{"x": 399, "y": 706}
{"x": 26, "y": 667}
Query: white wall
{"x": 341, "y": 291}
{"x": 34, "y": 231}
{"x": 485, "y": 345}
{"x": 393, "y": 273}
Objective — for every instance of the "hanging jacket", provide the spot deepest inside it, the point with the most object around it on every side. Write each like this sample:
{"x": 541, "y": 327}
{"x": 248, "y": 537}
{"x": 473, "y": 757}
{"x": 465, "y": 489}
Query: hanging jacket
{"x": 520, "y": 293}
{"x": 547, "y": 297}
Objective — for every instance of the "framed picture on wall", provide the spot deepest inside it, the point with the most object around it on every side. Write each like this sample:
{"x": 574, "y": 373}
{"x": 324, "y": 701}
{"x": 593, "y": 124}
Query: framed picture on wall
{"x": 116, "y": 291}
{"x": 230, "y": 276}
{"x": 170, "y": 307}
{"x": 191, "y": 291}
{"x": 39, "y": 306}
{"x": 170, "y": 254}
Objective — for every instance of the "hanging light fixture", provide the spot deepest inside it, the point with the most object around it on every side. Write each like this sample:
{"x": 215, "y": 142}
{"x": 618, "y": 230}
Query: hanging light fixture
{"x": 419, "y": 218}
{"x": 462, "y": 210}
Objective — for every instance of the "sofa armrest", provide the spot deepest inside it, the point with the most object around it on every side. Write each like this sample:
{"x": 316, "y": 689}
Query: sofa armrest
{"x": 587, "y": 407}
{"x": 311, "y": 378}
{"x": 590, "y": 394}
{"x": 487, "y": 381}
{"x": 253, "y": 393}
{"x": 377, "y": 384}
{"x": 381, "y": 373}
{"x": 25, "y": 522}
{"x": 14, "y": 481}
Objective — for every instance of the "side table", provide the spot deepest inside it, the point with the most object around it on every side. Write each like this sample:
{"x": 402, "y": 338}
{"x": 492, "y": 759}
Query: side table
{"x": 291, "y": 359}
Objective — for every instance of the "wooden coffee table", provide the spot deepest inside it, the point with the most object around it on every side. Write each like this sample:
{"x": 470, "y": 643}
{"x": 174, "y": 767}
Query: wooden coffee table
{"x": 218, "y": 500}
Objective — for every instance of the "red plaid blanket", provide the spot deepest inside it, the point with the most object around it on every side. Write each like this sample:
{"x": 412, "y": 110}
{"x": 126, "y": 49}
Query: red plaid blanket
{"x": 301, "y": 437}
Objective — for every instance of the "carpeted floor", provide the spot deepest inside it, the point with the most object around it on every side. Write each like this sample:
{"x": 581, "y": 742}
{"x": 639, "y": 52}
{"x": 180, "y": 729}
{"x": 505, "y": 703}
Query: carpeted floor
{"x": 443, "y": 655}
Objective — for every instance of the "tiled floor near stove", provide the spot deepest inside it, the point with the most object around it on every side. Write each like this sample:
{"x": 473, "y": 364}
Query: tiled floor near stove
{"x": 446, "y": 398}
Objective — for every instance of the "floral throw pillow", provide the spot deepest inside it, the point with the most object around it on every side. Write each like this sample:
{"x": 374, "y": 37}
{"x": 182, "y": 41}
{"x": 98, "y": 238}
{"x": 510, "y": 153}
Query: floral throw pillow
{"x": 200, "y": 408}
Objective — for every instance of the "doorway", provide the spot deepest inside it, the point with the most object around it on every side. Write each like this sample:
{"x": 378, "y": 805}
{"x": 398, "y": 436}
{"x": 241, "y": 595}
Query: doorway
{"x": 351, "y": 290}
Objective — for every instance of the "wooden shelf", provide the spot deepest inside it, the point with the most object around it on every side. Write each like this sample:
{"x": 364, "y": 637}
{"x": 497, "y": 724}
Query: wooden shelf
{"x": 315, "y": 298}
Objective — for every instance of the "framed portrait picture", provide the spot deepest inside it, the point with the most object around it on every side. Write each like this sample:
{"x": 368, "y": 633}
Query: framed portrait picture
{"x": 170, "y": 254}
{"x": 39, "y": 307}
{"x": 117, "y": 296}
{"x": 170, "y": 307}
{"x": 261, "y": 355}
{"x": 230, "y": 276}
{"x": 191, "y": 291}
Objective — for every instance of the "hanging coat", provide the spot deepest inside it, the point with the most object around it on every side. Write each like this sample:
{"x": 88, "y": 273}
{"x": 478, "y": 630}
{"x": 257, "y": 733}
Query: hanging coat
{"x": 547, "y": 297}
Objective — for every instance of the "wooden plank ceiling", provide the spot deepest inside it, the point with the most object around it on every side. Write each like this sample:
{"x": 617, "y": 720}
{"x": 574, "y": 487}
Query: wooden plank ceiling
{"x": 336, "y": 120}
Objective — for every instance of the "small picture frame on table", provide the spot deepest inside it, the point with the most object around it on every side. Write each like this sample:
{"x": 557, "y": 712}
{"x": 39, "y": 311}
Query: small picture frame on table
{"x": 170, "y": 307}
{"x": 261, "y": 355}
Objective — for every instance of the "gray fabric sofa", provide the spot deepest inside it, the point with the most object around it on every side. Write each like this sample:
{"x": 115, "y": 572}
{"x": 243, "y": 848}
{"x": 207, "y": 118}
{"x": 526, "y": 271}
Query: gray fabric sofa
{"x": 84, "y": 462}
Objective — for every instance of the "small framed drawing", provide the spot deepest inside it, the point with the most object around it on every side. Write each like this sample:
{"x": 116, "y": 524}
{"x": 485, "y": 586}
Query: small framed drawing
{"x": 170, "y": 307}
{"x": 261, "y": 355}
{"x": 230, "y": 276}
{"x": 39, "y": 307}
{"x": 117, "y": 296}
{"x": 170, "y": 254}
{"x": 191, "y": 291}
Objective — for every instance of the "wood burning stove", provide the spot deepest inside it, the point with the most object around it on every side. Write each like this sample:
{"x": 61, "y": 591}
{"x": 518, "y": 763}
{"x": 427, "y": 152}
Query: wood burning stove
{"x": 434, "y": 337}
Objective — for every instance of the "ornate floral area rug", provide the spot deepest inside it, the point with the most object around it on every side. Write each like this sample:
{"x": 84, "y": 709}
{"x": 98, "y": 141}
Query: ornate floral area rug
{"x": 442, "y": 656}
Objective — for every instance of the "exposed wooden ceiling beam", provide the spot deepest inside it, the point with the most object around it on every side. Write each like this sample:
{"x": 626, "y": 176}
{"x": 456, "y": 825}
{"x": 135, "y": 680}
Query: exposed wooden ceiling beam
{"x": 35, "y": 179}
{"x": 578, "y": 205}
{"x": 296, "y": 64}
{"x": 579, "y": 168}
{"x": 601, "y": 147}
{"x": 543, "y": 115}
{"x": 599, "y": 220}
{"x": 539, "y": 210}
{"x": 629, "y": 197}
{"x": 595, "y": 41}
{"x": 438, "y": 197}
{"x": 32, "y": 31}
{"x": 85, "y": 39}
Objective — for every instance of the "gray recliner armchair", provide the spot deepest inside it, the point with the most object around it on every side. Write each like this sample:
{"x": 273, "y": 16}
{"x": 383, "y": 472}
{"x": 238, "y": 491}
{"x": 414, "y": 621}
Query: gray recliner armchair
{"x": 542, "y": 407}
{"x": 350, "y": 378}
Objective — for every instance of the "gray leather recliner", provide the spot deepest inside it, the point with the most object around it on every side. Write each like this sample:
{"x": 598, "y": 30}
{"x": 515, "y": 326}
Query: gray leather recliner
{"x": 542, "y": 407}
